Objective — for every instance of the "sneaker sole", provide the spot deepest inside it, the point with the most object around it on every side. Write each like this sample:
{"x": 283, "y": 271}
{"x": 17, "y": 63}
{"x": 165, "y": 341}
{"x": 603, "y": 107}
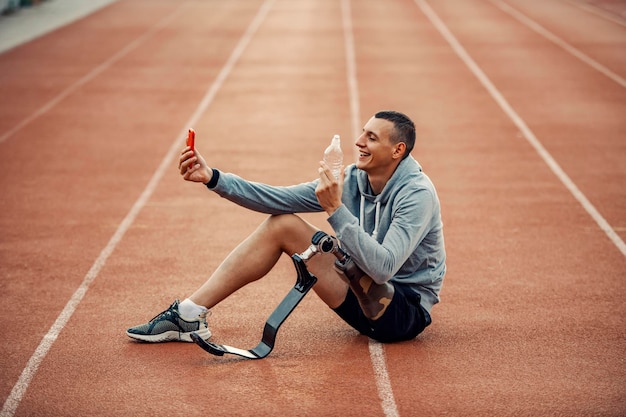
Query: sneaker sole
{"x": 171, "y": 336}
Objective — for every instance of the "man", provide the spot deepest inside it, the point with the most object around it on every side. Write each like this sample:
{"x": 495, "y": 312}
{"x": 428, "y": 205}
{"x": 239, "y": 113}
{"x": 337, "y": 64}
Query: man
{"x": 384, "y": 211}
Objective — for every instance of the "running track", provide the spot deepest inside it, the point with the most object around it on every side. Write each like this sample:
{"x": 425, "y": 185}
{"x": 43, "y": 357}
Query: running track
{"x": 521, "y": 112}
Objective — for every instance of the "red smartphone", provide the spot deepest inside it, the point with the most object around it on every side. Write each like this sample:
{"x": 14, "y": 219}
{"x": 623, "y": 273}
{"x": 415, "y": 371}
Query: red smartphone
{"x": 191, "y": 139}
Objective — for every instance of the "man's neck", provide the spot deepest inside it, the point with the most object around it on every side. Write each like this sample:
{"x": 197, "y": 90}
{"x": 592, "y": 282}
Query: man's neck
{"x": 378, "y": 180}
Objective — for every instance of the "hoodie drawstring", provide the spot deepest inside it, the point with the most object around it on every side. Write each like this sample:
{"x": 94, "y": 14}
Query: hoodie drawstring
{"x": 362, "y": 217}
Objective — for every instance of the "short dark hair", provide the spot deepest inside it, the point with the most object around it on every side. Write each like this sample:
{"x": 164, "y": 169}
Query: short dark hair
{"x": 404, "y": 128}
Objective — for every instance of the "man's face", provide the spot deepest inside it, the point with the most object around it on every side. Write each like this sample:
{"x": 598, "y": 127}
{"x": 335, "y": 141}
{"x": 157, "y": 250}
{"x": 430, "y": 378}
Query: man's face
{"x": 375, "y": 148}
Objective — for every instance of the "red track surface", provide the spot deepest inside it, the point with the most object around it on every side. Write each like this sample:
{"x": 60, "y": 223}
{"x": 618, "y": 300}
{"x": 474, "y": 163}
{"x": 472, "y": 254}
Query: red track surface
{"x": 532, "y": 314}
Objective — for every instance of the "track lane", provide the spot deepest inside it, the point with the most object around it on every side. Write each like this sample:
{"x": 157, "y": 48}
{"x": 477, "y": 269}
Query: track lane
{"x": 481, "y": 356}
{"x": 50, "y": 68}
{"x": 601, "y": 40}
{"x": 537, "y": 82}
{"x": 510, "y": 326}
{"x": 576, "y": 52}
{"x": 254, "y": 89}
{"x": 611, "y": 11}
{"x": 40, "y": 178}
{"x": 90, "y": 220}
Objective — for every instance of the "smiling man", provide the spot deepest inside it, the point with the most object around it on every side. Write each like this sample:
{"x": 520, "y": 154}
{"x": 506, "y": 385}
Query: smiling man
{"x": 384, "y": 211}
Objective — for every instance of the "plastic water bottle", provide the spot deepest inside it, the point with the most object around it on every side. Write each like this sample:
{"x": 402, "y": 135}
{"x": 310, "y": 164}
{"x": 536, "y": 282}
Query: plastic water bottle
{"x": 333, "y": 156}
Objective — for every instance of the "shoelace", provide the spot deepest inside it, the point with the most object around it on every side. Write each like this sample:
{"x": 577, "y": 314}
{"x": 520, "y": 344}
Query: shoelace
{"x": 165, "y": 314}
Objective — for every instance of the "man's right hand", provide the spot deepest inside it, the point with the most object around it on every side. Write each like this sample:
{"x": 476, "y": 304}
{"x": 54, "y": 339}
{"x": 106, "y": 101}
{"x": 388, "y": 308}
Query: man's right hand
{"x": 193, "y": 167}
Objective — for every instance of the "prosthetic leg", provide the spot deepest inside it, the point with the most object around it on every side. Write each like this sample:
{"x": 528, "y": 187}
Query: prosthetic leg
{"x": 304, "y": 282}
{"x": 373, "y": 298}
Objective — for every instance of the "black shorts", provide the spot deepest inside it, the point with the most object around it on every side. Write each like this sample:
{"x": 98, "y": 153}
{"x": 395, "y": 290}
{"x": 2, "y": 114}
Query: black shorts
{"x": 404, "y": 319}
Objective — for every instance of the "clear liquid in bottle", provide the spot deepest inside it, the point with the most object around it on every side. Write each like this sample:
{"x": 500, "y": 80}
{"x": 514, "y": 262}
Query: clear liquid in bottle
{"x": 333, "y": 156}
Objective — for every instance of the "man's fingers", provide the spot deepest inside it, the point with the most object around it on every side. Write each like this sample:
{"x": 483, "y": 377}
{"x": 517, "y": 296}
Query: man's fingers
{"x": 186, "y": 165}
{"x": 185, "y": 156}
{"x": 325, "y": 172}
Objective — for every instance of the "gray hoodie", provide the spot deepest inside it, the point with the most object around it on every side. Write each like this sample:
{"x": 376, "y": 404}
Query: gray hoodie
{"x": 396, "y": 235}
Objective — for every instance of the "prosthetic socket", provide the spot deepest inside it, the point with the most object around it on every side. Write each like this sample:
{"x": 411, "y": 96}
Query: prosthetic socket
{"x": 373, "y": 298}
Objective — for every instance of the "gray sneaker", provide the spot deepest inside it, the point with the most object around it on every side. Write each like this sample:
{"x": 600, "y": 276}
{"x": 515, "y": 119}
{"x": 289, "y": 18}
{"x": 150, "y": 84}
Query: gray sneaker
{"x": 170, "y": 326}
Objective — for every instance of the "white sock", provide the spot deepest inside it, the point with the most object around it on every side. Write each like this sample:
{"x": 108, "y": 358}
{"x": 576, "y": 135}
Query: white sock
{"x": 189, "y": 309}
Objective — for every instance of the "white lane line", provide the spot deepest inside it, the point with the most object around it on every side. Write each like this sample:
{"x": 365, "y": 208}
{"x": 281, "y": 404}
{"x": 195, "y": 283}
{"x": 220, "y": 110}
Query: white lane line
{"x": 377, "y": 356}
{"x": 20, "y": 387}
{"x": 90, "y": 75}
{"x": 377, "y": 351}
{"x": 558, "y": 41}
{"x": 590, "y": 8}
{"x": 521, "y": 125}
{"x": 353, "y": 88}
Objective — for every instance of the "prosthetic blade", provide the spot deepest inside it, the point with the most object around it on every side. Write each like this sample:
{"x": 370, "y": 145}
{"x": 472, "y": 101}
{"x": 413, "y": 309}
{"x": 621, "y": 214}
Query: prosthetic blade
{"x": 304, "y": 283}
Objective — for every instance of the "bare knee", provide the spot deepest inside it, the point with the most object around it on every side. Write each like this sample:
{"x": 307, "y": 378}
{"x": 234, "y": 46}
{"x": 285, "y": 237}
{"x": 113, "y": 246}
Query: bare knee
{"x": 293, "y": 234}
{"x": 289, "y": 231}
{"x": 282, "y": 221}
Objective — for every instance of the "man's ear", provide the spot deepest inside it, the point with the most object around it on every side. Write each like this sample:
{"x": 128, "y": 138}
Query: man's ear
{"x": 398, "y": 150}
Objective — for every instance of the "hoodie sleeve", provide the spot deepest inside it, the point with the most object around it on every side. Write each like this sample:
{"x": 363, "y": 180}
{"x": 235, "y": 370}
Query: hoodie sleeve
{"x": 409, "y": 224}
{"x": 265, "y": 198}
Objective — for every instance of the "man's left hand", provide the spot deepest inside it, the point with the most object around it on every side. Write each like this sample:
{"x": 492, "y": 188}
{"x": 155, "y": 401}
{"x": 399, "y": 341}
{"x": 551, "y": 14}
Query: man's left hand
{"x": 329, "y": 188}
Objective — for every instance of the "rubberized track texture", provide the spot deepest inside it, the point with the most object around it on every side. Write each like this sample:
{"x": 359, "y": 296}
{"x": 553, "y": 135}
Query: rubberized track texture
{"x": 520, "y": 110}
